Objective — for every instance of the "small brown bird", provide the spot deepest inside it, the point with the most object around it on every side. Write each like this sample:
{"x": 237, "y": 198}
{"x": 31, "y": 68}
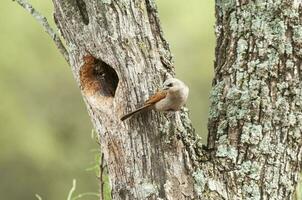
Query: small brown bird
{"x": 171, "y": 98}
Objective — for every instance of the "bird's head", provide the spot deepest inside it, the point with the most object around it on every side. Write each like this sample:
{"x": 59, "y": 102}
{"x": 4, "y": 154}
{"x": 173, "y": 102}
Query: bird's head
{"x": 173, "y": 85}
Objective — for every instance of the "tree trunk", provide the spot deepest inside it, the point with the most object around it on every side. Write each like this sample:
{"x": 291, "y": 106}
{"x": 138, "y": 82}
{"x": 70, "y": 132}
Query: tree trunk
{"x": 119, "y": 58}
{"x": 256, "y": 102}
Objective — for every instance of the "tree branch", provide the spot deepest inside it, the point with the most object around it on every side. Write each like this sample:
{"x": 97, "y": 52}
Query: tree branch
{"x": 47, "y": 28}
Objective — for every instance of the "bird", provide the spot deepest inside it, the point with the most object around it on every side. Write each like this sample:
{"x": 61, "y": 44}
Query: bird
{"x": 171, "y": 97}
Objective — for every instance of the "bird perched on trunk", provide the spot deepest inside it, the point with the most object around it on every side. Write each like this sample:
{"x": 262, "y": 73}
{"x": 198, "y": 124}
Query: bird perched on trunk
{"x": 172, "y": 97}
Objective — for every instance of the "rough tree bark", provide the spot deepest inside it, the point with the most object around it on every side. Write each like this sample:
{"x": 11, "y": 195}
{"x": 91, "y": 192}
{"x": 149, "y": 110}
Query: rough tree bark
{"x": 119, "y": 57}
{"x": 256, "y": 112}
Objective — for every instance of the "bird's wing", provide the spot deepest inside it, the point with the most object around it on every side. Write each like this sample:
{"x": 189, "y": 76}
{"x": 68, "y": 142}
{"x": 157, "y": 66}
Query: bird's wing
{"x": 156, "y": 97}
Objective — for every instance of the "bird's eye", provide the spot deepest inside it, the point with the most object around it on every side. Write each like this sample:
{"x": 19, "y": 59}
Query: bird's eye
{"x": 170, "y": 85}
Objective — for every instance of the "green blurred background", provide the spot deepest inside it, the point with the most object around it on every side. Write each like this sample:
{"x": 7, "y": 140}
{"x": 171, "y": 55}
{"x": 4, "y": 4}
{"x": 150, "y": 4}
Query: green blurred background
{"x": 45, "y": 132}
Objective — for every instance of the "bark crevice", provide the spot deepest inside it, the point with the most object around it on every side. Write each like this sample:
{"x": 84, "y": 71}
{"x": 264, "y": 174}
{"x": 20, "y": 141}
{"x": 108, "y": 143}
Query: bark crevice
{"x": 83, "y": 11}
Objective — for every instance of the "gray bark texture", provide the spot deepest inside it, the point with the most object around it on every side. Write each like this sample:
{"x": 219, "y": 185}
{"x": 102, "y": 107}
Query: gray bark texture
{"x": 119, "y": 58}
{"x": 255, "y": 119}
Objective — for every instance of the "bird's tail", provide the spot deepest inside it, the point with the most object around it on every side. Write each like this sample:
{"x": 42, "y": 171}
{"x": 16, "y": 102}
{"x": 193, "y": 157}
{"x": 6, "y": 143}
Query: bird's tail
{"x": 133, "y": 112}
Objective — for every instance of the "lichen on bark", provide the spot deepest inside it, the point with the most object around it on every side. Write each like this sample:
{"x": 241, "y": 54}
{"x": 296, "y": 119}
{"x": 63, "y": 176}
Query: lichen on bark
{"x": 255, "y": 102}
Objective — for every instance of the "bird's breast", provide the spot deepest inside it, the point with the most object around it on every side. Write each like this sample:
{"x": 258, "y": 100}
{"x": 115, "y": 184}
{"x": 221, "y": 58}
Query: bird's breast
{"x": 173, "y": 101}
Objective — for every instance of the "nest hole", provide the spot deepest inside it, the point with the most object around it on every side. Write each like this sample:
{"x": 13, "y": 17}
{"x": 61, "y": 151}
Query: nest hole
{"x": 97, "y": 77}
